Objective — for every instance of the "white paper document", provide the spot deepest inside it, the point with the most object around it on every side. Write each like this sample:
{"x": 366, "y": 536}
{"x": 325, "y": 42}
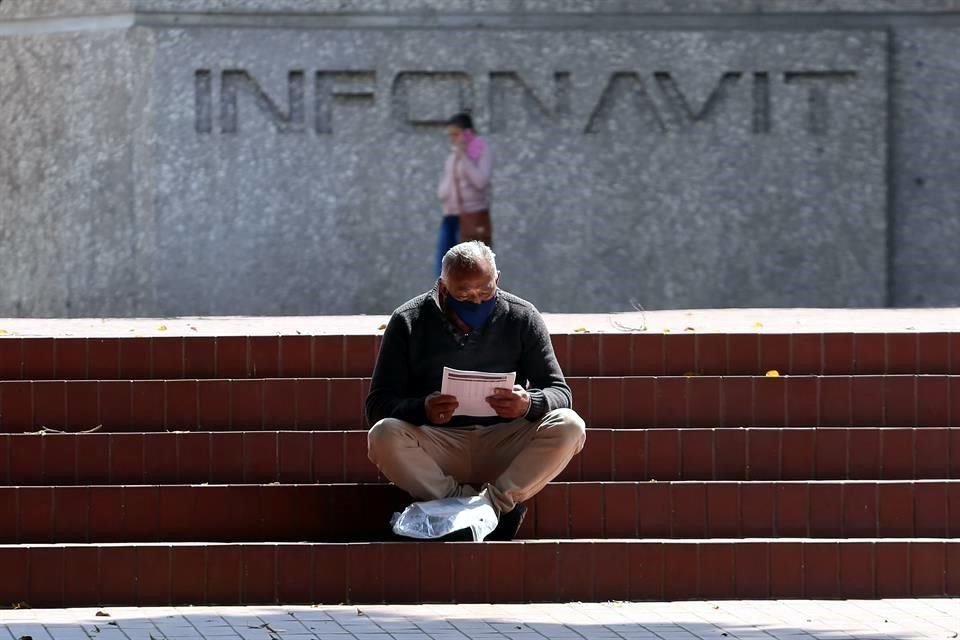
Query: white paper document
{"x": 472, "y": 389}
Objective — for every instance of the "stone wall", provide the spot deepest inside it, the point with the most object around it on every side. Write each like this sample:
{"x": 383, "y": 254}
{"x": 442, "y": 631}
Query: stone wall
{"x": 167, "y": 157}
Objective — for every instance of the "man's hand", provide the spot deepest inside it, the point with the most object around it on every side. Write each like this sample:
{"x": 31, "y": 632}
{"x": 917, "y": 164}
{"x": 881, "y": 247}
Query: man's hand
{"x": 440, "y": 407}
{"x": 510, "y": 403}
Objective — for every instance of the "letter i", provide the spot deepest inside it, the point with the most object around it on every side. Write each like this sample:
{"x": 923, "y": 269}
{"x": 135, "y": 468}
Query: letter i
{"x": 203, "y": 101}
{"x": 761, "y": 102}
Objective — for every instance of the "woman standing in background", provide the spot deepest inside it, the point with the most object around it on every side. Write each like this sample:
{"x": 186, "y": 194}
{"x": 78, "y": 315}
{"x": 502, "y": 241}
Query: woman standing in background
{"x": 464, "y": 189}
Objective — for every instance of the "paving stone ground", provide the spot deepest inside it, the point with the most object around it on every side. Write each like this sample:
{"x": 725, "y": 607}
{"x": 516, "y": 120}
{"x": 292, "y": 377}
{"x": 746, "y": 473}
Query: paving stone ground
{"x": 722, "y": 620}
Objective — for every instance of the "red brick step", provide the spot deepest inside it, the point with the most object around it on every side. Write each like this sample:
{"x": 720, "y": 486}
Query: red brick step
{"x": 631, "y": 402}
{"x": 579, "y": 354}
{"x": 859, "y": 453}
{"x": 353, "y": 512}
{"x": 537, "y": 571}
{"x": 701, "y": 478}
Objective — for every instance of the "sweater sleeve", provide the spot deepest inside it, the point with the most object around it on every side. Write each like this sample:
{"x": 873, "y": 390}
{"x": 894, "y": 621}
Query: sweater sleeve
{"x": 479, "y": 174}
{"x": 445, "y": 187}
{"x": 548, "y": 390}
{"x": 388, "y": 390}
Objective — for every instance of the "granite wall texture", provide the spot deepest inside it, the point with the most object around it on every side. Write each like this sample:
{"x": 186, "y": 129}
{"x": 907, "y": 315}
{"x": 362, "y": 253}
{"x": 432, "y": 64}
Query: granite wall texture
{"x": 244, "y": 157}
{"x": 71, "y": 108}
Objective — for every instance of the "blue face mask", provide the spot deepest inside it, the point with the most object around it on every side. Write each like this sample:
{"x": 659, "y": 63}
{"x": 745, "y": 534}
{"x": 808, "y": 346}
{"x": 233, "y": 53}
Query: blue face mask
{"x": 474, "y": 314}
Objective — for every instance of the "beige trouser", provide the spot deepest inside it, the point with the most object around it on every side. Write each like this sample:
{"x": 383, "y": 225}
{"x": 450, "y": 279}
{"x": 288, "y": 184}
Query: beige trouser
{"x": 515, "y": 460}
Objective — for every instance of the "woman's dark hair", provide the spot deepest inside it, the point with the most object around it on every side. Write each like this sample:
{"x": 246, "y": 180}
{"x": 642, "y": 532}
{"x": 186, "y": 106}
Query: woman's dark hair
{"x": 461, "y": 121}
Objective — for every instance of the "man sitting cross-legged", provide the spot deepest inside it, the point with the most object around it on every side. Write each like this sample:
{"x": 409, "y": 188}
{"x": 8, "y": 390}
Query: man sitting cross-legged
{"x": 466, "y": 322}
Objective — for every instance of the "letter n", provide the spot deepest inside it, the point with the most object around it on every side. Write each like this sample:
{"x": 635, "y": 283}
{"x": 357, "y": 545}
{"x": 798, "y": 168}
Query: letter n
{"x": 236, "y": 81}
{"x": 503, "y": 84}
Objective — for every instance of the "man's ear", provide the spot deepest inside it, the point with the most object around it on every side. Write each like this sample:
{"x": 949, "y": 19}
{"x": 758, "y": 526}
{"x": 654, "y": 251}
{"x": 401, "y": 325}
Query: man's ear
{"x": 441, "y": 289}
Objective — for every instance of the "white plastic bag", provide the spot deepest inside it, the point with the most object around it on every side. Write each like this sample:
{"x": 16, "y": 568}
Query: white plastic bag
{"x": 437, "y": 518}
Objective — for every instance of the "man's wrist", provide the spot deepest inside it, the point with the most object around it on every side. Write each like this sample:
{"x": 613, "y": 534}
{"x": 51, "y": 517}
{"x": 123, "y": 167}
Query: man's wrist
{"x": 526, "y": 412}
{"x": 537, "y": 407}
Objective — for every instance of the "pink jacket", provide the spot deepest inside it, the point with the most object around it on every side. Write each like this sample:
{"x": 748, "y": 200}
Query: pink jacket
{"x": 472, "y": 181}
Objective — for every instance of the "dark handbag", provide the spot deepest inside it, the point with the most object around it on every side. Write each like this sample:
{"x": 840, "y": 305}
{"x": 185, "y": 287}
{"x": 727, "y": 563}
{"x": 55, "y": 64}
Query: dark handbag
{"x": 476, "y": 226}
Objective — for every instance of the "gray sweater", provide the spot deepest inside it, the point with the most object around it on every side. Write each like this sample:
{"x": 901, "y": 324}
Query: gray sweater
{"x": 420, "y": 340}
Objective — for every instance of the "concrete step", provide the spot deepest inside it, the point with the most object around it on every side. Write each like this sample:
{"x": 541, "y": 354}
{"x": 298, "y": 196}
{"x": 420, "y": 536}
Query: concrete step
{"x": 858, "y": 453}
{"x": 536, "y": 571}
{"x": 615, "y": 402}
{"x": 356, "y": 512}
{"x": 579, "y": 353}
